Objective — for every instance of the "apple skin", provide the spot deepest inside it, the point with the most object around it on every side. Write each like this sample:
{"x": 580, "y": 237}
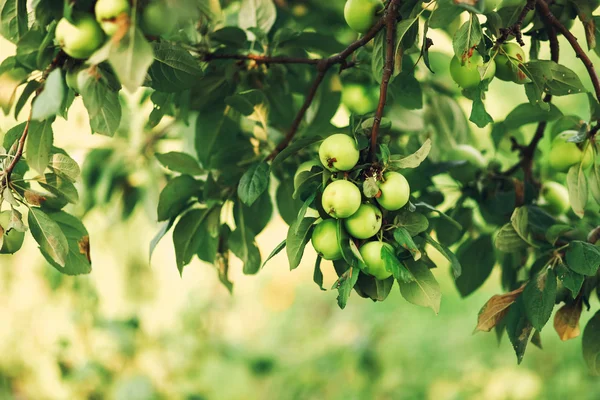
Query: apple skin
{"x": 325, "y": 240}
{"x": 475, "y": 162}
{"x": 563, "y": 155}
{"x": 341, "y": 199}
{"x": 374, "y": 264}
{"x": 339, "y": 153}
{"x": 360, "y": 99}
{"x": 107, "y": 11}
{"x": 360, "y": 15}
{"x": 395, "y": 191}
{"x": 365, "y": 222}
{"x": 158, "y": 19}
{"x": 13, "y": 239}
{"x": 82, "y": 39}
{"x": 305, "y": 166}
{"x": 556, "y": 198}
{"x": 510, "y": 54}
{"x": 467, "y": 76}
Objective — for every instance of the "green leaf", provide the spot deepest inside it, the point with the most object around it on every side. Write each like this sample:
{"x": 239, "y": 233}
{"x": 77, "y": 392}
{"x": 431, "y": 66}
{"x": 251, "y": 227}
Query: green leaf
{"x": 591, "y": 344}
{"x": 247, "y": 102}
{"x": 527, "y": 113}
{"x": 254, "y": 182}
{"x": 131, "y": 57}
{"x": 518, "y": 328}
{"x": 30, "y": 89}
{"x": 404, "y": 239}
{"x": 379, "y": 54}
{"x": 179, "y": 162}
{"x": 424, "y": 290}
{"x": 48, "y": 103}
{"x": 345, "y": 284}
{"x": 102, "y": 104}
{"x": 508, "y": 240}
{"x": 393, "y": 265}
{"x": 479, "y": 115}
{"x": 448, "y": 254}
{"x": 229, "y": 36}
{"x": 467, "y": 37}
{"x": 175, "y": 196}
{"x": 477, "y": 259}
{"x": 538, "y": 298}
{"x": 174, "y": 68}
{"x": 13, "y": 19}
{"x": 413, "y": 160}
{"x": 520, "y": 222}
{"x": 164, "y": 228}
{"x": 60, "y": 187}
{"x": 257, "y": 13}
{"x": 594, "y": 181}
{"x": 261, "y": 212}
{"x": 413, "y": 222}
{"x": 577, "y": 184}
{"x": 77, "y": 261}
{"x": 64, "y": 166}
{"x": 298, "y": 236}
{"x": 275, "y": 251}
{"x": 570, "y": 279}
{"x": 445, "y": 14}
{"x": 552, "y": 78}
{"x": 583, "y": 258}
{"x": 189, "y": 234}
{"x": 293, "y": 148}
{"x": 39, "y": 144}
{"x": 318, "y": 274}
{"x": 49, "y": 236}
{"x": 556, "y": 231}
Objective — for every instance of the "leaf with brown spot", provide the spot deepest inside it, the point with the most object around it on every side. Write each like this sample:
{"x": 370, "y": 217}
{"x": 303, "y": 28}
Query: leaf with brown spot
{"x": 34, "y": 198}
{"x": 84, "y": 247}
{"x": 566, "y": 321}
{"x": 496, "y": 309}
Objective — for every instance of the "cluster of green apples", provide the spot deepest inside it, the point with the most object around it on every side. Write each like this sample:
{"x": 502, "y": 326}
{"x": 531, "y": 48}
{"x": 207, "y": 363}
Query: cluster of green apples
{"x": 84, "y": 33}
{"x": 564, "y": 154}
{"x": 361, "y": 15}
{"x": 362, "y": 218}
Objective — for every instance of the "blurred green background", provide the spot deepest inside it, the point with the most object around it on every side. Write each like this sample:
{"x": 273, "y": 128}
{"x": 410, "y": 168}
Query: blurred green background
{"x": 137, "y": 331}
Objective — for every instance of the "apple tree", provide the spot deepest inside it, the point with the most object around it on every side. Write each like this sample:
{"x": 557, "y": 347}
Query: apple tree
{"x": 257, "y": 84}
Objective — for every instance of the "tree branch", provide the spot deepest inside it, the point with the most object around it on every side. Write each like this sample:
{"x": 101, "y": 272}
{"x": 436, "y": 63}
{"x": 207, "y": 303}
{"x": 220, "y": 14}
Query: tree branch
{"x": 515, "y": 29}
{"x": 581, "y": 54}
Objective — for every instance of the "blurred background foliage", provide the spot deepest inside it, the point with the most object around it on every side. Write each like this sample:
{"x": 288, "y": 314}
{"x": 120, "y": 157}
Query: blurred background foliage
{"x": 134, "y": 330}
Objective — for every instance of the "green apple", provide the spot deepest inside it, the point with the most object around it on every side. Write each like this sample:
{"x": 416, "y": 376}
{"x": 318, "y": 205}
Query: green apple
{"x": 360, "y": 99}
{"x": 395, "y": 191}
{"x": 564, "y": 154}
{"x": 158, "y": 19}
{"x": 81, "y": 39}
{"x": 475, "y": 162}
{"x": 305, "y": 166}
{"x": 339, "y": 153}
{"x": 374, "y": 264}
{"x": 341, "y": 199}
{"x": 365, "y": 222}
{"x": 12, "y": 240}
{"x": 555, "y": 198}
{"x": 107, "y": 12}
{"x": 360, "y": 15}
{"x": 325, "y": 240}
{"x": 467, "y": 75}
{"x": 511, "y": 55}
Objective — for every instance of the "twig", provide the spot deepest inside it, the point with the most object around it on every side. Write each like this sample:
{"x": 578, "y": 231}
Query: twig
{"x": 515, "y": 29}
{"x": 581, "y": 54}
{"x": 388, "y": 69}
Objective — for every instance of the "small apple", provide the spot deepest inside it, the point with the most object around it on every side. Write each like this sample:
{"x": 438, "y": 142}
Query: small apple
{"x": 395, "y": 191}
{"x": 555, "y": 198}
{"x": 339, "y": 153}
{"x": 510, "y": 56}
{"x": 107, "y": 12}
{"x": 81, "y": 39}
{"x": 12, "y": 240}
{"x": 360, "y": 99}
{"x": 305, "y": 166}
{"x": 374, "y": 264}
{"x": 565, "y": 154}
{"x": 364, "y": 223}
{"x": 475, "y": 162}
{"x": 341, "y": 199}
{"x": 360, "y": 15}
{"x": 158, "y": 19}
{"x": 325, "y": 240}
{"x": 467, "y": 75}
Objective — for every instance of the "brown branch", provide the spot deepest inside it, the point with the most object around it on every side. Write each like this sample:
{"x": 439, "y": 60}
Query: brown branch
{"x": 581, "y": 54}
{"x": 388, "y": 69}
{"x": 324, "y": 64}
{"x": 515, "y": 29}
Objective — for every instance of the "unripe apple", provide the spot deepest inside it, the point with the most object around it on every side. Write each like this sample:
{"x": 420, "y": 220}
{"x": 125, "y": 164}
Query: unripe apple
{"x": 341, "y": 199}
{"x": 467, "y": 75}
{"x": 555, "y": 198}
{"x": 158, "y": 19}
{"x": 107, "y": 11}
{"x": 11, "y": 240}
{"x": 360, "y": 15}
{"x": 511, "y": 56}
{"x": 475, "y": 162}
{"x": 81, "y": 39}
{"x": 339, "y": 153}
{"x": 365, "y": 222}
{"x": 563, "y": 155}
{"x": 395, "y": 191}
{"x": 305, "y": 166}
{"x": 374, "y": 264}
{"x": 360, "y": 99}
{"x": 325, "y": 240}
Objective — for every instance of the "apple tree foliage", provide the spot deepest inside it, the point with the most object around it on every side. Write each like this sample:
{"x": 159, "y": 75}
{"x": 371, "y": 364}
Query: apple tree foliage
{"x": 249, "y": 89}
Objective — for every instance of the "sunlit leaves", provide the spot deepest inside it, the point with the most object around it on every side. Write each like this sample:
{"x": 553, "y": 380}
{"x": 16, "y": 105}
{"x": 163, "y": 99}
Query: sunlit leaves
{"x": 496, "y": 309}
{"x": 253, "y": 183}
{"x": 39, "y": 144}
{"x": 48, "y": 103}
{"x": 174, "y": 69}
{"x": 424, "y": 290}
{"x": 49, "y": 236}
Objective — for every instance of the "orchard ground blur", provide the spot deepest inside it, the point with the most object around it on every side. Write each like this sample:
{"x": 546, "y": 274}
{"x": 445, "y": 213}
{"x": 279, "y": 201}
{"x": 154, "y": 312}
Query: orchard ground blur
{"x": 135, "y": 331}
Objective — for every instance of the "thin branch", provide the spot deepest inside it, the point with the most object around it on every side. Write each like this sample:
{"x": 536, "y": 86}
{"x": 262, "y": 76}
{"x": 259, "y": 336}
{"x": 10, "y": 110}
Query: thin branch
{"x": 388, "y": 69}
{"x": 515, "y": 29}
{"x": 20, "y": 148}
{"x": 544, "y": 10}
